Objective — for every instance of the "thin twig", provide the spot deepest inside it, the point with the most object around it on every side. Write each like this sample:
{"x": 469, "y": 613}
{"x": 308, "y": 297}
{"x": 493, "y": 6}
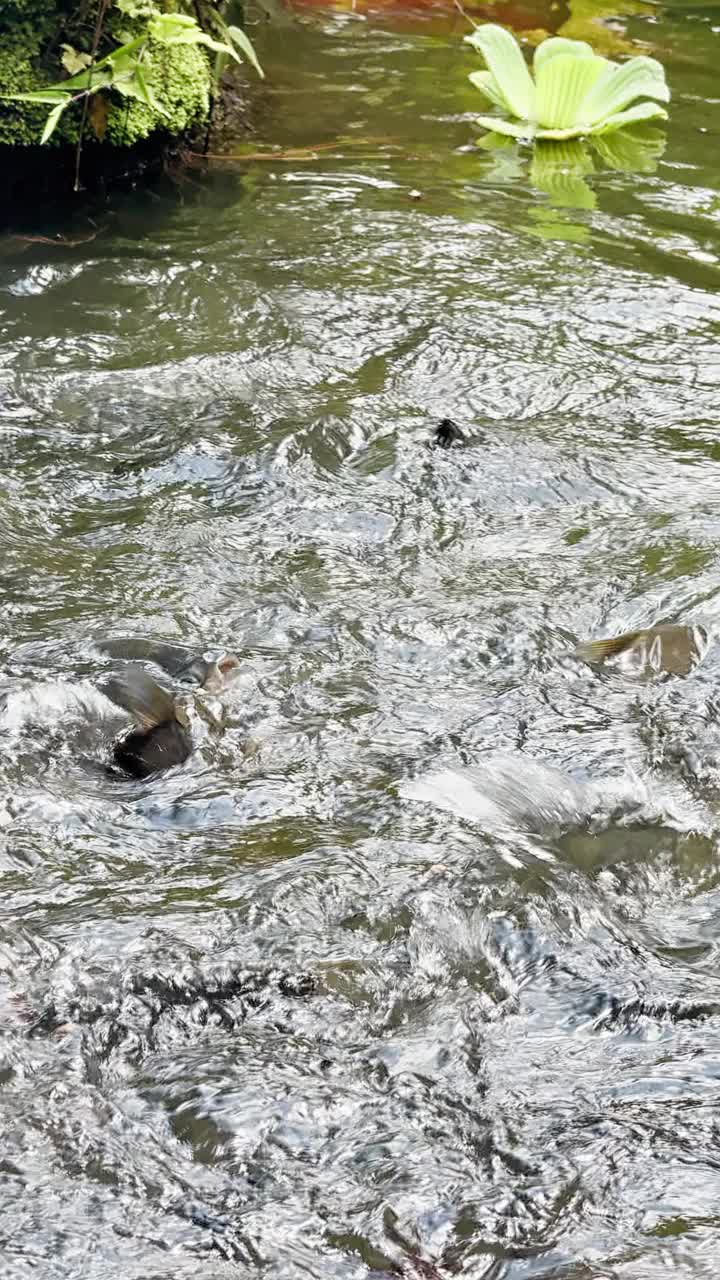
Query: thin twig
{"x": 291, "y": 153}
{"x": 93, "y": 52}
{"x": 57, "y": 240}
{"x": 465, "y": 15}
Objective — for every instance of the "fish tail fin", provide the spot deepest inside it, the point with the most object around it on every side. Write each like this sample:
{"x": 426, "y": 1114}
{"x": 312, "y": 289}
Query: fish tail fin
{"x": 136, "y": 691}
{"x": 598, "y": 650}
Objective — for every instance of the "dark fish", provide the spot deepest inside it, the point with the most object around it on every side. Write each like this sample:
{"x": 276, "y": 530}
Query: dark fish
{"x": 670, "y": 647}
{"x": 177, "y": 660}
{"x": 448, "y": 433}
{"x": 162, "y": 738}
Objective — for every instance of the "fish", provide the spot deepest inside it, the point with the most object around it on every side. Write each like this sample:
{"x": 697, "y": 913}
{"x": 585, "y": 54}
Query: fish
{"x": 447, "y": 433}
{"x": 669, "y": 647}
{"x": 162, "y": 735}
{"x": 180, "y": 662}
{"x": 523, "y": 803}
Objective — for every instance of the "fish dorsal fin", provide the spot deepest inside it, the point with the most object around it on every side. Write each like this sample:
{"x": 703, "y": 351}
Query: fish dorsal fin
{"x": 136, "y": 691}
{"x": 598, "y": 650}
{"x": 173, "y": 658}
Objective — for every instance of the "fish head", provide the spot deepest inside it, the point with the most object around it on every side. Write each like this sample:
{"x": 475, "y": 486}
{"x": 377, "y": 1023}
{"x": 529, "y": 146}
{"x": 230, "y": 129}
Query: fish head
{"x": 218, "y": 673}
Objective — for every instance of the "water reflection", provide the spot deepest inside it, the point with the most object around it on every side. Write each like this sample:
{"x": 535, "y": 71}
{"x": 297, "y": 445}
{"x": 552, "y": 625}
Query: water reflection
{"x": 561, "y": 171}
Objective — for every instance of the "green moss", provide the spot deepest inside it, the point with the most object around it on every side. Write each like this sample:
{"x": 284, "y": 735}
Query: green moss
{"x": 179, "y": 76}
{"x": 19, "y": 125}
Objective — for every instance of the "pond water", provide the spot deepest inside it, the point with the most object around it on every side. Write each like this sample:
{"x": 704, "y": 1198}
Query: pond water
{"x": 267, "y": 1014}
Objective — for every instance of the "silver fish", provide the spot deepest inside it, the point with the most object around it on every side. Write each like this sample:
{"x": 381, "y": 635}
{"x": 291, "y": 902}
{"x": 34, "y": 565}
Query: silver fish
{"x": 669, "y": 647}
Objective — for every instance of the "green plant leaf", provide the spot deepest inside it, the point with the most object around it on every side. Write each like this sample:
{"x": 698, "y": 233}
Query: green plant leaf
{"x": 563, "y": 82}
{"x": 47, "y": 96}
{"x": 512, "y": 128}
{"x": 620, "y": 86}
{"x": 167, "y": 25}
{"x": 488, "y": 85}
{"x": 73, "y": 60}
{"x": 136, "y": 8}
{"x": 193, "y": 35}
{"x": 219, "y": 46}
{"x": 504, "y": 59}
{"x": 52, "y": 120}
{"x": 641, "y": 111}
{"x": 243, "y": 42}
{"x": 96, "y": 78}
{"x": 146, "y": 94}
{"x": 561, "y": 135}
{"x": 554, "y": 45}
{"x": 496, "y": 141}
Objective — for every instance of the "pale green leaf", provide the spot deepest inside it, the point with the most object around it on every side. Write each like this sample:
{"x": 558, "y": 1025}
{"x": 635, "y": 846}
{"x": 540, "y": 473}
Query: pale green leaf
{"x": 219, "y": 46}
{"x": 563, "y": 82}
{"x": 167, "y": 25}
{"x": 243, "y": 42}
{"x": 560, "y": 135}
{"x": 194, "y": 36}
{"x": 488, "y": 85}
{"x": 510, "y": 127}
{"x": 496, "y": 141}
{"x": 136, "y": 8}
{"x": 134, "y": 85}
{"x": 551, "y": 47}
{"x": 73, "y": 60}
{"x": 620, "y": 86}
{"x": 641, "y": 111}
{"x": 147, "y": 93}
{"x": 96, "y": 78}
{"x": 47, "y": 96}
{"x": 504, "y": 59}
{"x": 52, "y": 120}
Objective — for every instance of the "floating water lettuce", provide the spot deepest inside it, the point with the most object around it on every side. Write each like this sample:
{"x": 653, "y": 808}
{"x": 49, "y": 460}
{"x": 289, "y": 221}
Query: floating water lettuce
{"x": 574, "y": 92}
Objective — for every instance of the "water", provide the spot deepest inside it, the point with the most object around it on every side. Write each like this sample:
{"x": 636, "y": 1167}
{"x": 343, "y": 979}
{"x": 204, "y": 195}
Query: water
{"x": 266, "y": 1014}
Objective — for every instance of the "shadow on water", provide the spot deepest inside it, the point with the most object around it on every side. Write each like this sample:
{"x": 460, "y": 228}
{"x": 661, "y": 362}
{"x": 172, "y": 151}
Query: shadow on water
{"x": 281, "y": 1010}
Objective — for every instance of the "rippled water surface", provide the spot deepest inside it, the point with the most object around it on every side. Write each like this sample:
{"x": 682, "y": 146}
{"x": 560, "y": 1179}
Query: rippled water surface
{"x": 278, "y": 1012}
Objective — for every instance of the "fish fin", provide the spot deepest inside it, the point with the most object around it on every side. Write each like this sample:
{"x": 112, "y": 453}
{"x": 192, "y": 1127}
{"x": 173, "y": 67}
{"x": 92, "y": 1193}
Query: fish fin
{"x": 598, "y": 650}
{"x": 136, "y": 691}
{"x": 173, "y": 658}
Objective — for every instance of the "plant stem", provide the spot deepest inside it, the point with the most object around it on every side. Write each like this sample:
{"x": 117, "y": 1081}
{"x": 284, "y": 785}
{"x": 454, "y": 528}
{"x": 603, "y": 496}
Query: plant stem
{"x": 96, "y": 41}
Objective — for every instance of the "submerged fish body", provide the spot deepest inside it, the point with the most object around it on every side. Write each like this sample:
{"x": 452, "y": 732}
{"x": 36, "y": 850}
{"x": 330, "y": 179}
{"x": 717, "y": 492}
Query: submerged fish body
{"x": 143, "y": 752}
{"x": 669, "y": 648}
{"x": 162, "y": 737}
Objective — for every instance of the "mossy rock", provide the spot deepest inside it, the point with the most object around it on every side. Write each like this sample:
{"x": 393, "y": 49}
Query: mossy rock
{"x": 31, "y": 32}
{"x": 179, "y": 77}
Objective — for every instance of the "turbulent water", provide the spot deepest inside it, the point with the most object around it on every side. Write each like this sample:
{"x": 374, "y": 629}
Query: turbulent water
{"x": 412, "y": 968}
